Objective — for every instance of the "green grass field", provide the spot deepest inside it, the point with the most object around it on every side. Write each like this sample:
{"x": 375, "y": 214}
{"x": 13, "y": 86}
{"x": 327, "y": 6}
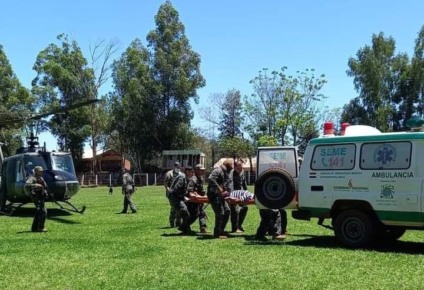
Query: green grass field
{"x": 101, "y": 249}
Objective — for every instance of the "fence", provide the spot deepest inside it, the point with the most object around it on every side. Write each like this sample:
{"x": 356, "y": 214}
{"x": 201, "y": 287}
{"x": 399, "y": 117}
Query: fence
{"x": 140, "y": 179}
{"x": 106, "y": 179}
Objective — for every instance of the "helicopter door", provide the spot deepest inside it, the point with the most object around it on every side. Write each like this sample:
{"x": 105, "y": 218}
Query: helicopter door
{"x": 3, "y": 190}
{"x": 19, "y": 178}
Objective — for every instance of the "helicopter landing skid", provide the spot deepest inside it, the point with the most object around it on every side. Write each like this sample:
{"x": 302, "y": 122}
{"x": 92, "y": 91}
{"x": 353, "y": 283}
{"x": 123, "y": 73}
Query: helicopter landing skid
{"x": 8, "y": 209}
{"x": 8, "y": 213}
{"x": 73, "y": 207}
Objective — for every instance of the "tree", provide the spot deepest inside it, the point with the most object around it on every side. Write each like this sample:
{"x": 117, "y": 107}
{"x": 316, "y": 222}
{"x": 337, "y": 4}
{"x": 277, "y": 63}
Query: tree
{"x": 231, "y": 115}
{"x": 235, "y": 148}
{"x": 307, "y": 107}
{"x": 212, "y": 114}
{"x": 266, "y": 140}
{"x": 284, "y": 107}
{"x": 153, "y": 89}
{"x": 416, "y": 84}
{"x": 14, "y": 99}
{"x": 379, "y": 76}
{"x": 175, "y": 68}
{"x": 63, "y": 79}
{"x": 100, "y": 53}
{"x": 132, "y": 127}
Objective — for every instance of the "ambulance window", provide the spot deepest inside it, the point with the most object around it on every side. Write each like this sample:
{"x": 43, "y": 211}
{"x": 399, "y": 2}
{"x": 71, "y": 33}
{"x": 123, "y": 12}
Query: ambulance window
{"x": 333, "y": 157}
{"x": 394, "y": 155}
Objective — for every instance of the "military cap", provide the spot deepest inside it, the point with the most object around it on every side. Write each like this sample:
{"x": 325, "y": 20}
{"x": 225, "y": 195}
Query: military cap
{"x": 200, "y": 166}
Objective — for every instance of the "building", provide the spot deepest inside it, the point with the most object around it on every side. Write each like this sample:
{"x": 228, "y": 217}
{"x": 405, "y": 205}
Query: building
{"x": 107, "y": 161}
{"x": 190, "y": 157}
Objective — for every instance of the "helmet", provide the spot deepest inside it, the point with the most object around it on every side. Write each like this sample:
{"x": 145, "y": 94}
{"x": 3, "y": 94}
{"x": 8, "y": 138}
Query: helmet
{"x": 38, "y": 168}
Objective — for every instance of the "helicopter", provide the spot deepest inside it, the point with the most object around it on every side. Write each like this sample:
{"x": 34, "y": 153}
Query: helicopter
{"x": 58, "y": 169}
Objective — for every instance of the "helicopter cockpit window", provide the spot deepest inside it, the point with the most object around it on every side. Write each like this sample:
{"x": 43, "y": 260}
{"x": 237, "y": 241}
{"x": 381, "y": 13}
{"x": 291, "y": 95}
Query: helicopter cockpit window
{"x": 19, "y": 171}
{"x": 63, "y": 162}
{"x": 31, "y": 161}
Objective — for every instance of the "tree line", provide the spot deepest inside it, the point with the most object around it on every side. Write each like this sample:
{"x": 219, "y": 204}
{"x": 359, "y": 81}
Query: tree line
{"x": 148, "y": 109}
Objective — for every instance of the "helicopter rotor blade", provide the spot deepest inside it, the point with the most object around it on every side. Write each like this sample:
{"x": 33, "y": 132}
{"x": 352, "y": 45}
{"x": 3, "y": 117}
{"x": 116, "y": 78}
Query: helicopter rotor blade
{"x": 10, "y": 118}
{"x": 63, "y": 109}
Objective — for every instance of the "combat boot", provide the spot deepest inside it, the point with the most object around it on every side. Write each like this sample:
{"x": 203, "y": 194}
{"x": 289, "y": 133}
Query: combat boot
{"x": 279, "y": 237}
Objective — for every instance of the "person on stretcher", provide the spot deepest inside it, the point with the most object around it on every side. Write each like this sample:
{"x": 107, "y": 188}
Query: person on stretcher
{"x": 234, "y": 197}
{"x": 239, "y": 197}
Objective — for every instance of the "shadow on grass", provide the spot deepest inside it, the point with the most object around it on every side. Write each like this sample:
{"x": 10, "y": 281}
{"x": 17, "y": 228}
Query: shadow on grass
{"x": 179, "y": 234}
{"x": 62, "y": 220}
{"x": 328, "y": 227}
{"x": 205, "y": 237}
{"x": 253, "y": 241}
{"x": 405, "y": 247}
{"x": 200, "y": 236}
{"x": 329, "y": 242}
{"x": 31, "y": 232}
{"x": 29, "y": 212}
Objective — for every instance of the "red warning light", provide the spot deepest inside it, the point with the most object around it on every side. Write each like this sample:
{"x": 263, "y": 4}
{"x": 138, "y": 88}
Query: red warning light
{"x": 328, "y": 128}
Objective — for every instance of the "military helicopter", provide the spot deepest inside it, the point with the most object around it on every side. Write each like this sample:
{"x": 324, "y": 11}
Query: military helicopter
{"x": 59, "y": 171}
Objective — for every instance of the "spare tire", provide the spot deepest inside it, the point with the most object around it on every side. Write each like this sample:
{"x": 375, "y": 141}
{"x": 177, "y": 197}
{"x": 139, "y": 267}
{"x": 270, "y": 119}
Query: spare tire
{"x": 275, "y": 188}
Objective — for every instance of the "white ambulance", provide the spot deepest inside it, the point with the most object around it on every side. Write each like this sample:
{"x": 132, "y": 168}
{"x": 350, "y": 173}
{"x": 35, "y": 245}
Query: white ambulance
{"x": 371, "y": 184}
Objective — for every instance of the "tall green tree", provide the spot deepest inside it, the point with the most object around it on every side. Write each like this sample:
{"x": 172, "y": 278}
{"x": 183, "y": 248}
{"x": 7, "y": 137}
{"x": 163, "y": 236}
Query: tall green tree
{"x": 15, "y": 100}
{"x": 235, "y": 147}
{"x": 133, "y": 109}
{"x": 153, "y": 89}
{"x": 379, "y": 76}
{"x": 175, "y": 68}
{"x": 231, "y": 115}
{"x": 100, "y": 55}
{"x": 416, "y": 84}
{"x": 64, "y": 79}
{"x": 284, "y": 107}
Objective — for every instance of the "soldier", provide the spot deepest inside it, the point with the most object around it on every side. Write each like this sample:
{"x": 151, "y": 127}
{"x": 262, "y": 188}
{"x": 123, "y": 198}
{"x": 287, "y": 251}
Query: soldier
{"x": 273, "y": 221}
{"x": 217, "y": 182}
{"x": 195, "y": 187}
{"x": 127, "y": 191}
{"x": 237, "y": 181}
{"x": 36, "y": 185}
{"x": 29, "y": 169}
{"x": 169, "y": 177}
{"x": 178, "y": 198}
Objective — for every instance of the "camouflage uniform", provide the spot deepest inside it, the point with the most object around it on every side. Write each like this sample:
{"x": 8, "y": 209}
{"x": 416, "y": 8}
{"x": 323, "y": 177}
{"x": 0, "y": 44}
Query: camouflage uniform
{"x": 237, "y": 181}
{"x": 177, "y": 195}
{"x": 273, "y": 222}
{"x": 195, "y": 209}
{"x": 39, "y": 194}
{"x": 218, "y": 178}
{"x": 169, "y": 178}
{"x": 127, "y": 191}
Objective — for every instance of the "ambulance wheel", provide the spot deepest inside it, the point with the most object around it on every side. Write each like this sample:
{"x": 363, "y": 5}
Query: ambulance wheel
{"x": 275, "y": 188}
{"x": 391, "y": 233}
{"x": 355, "y": 229}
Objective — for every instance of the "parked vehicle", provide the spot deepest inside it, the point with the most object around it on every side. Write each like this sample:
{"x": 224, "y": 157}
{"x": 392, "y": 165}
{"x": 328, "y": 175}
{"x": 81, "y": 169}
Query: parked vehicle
{"x": 370, "y": 184}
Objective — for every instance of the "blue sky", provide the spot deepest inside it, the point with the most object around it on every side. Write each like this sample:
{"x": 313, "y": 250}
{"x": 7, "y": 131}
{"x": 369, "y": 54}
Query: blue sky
{"x": 235, "y": 38}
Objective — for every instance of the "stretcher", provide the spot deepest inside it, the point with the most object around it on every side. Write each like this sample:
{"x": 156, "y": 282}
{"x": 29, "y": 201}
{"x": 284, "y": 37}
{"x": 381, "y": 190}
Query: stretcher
{"x": 204, "y": 199}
